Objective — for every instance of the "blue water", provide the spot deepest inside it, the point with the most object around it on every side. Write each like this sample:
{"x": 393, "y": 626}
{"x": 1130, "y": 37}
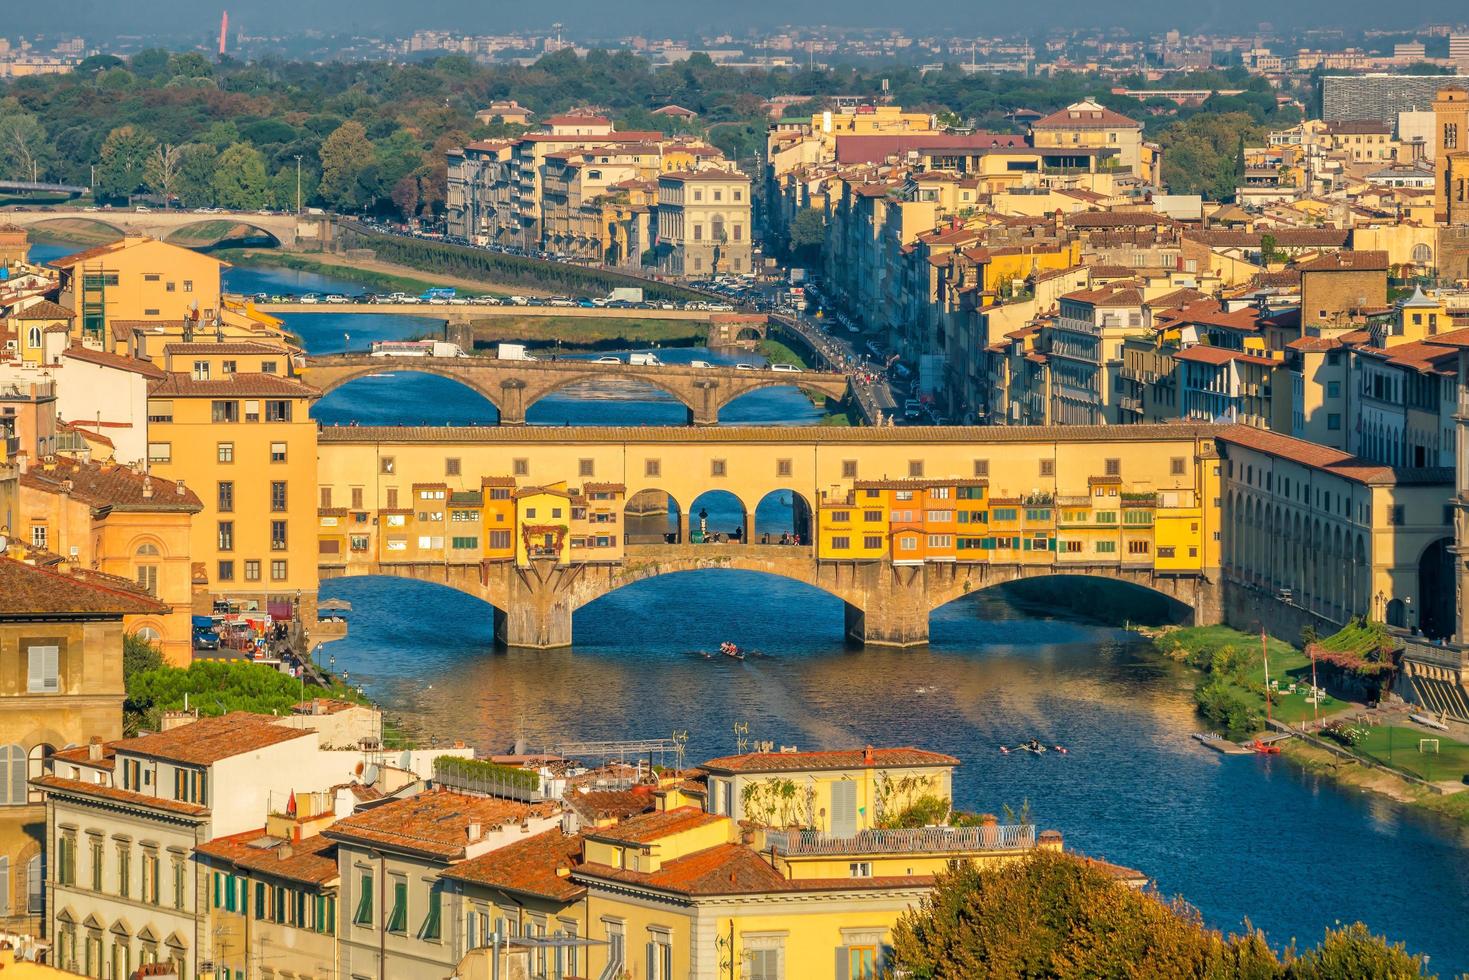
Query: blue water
{"x": 1239, "y": 837}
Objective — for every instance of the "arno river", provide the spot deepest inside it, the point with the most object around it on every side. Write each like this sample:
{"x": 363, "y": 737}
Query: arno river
{"x": 1239, "y": 837}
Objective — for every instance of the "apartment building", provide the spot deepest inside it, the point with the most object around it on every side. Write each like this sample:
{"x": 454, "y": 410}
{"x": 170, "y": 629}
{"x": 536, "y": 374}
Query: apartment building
{"x": 1089, "y": 124}
{"x": 118, "y": 286}
{"x": 703, "y": 223}
{"x": 123, "y": 522}
{"x": 1084, "y": 343}
{"x": 61, "y": 627}
{"x": 246, "y": 440}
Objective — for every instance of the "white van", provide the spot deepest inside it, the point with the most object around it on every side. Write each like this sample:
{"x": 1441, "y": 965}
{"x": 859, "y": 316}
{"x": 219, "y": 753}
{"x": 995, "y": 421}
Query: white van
{"x": 644, "y": 360}
{"x": 788, "y": 368}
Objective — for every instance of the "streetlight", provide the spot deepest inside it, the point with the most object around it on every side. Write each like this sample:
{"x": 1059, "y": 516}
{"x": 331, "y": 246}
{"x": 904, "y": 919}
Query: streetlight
{"x": 298, "y": 183}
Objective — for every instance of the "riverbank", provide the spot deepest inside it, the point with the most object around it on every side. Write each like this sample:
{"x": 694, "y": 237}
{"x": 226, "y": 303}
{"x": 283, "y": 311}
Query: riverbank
{"x": 575, "y": 334}
{"x": 377, "y": 276}
{"x": 1351, "y": 773}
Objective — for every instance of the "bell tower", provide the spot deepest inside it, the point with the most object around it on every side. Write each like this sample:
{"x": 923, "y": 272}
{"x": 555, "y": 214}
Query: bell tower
{"x": 1450, "y": 140}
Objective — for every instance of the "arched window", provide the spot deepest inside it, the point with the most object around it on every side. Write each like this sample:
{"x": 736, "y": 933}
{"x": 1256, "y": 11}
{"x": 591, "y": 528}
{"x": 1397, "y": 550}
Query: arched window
{"x": 33, "y": 337}
{"x": 1422, "y": 254}
{"x": 147, "y": 548}
{"x": 12, "y": 775}
{"x": 148, "y": 633}
{"x": 36, "y": 767}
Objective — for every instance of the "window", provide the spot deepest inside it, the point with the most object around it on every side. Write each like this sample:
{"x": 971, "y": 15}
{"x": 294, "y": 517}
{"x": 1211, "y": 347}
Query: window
{"x": 277, "y": 411}
{"x": 398, "y": 917}
{"x": 1106, "y": 547}
{"x": 277, "y": 535}
{"x": 226, "y": 536}
{"x": 849, "y": 469}
{"x": 499, "y": 539}
{"x": 1333, "y": 422}
{"x": 586, "y": 467}
{"x": 38, "y": 536}
{"x": 1177, "y": 466}
{"x": 228, "y": 367}
{"x": 201, "y": 371}
{"x": 1333, "y": 389}
{"x": 227, "y": 571}
{"x": 13, "y": 773}
{"x": 782, "y": 467}
{"x": 278, "y": 496}
{"x": 717, "y": 467}
{"x": 872, "y": 541}
{"x": 1048, "y": 467}
{"x": 124, "y": 871}
{"x": 150, "y": 877}
{"x": 1138, "y": 547}
{"x": 178, "y": 883}
{"x": 915, "y": 469}
{"x": 160, "y": 411}
{"x": 363, "y": 915}
{"x": 841, "y": 543}
{"x": 1396, "y": 516}
{"x": 861, "y": 962}
{"x": 660, "y": 957}
{"x": 226, "y": 496}
{"x": 148, "y": 579}
{"x": 907, "y": 542}
{"x": 277, "y": 452}
{"x": 451, "y": 466}
{"x": 225, "y": 452}
{"x": 981, "y": 468}
{"x": 66, "y": 859}
{"x": 160, "y": 452}
{"x": 278, "y": 570}
{"x": 225, "y": 411}
{"x": 652, "y": 467}
{"x": 430, "y": 929}
{"x": 252, "y": 569}
{"x": 1113, "y": 467}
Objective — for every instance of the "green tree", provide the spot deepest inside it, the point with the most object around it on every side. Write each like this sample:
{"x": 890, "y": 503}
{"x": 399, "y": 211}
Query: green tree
{"x": 240, "y": 181}
{"x": 1353, "y": 951}
{"x": 122, "y": 162}
{"x": 161, "y": 173}
{"x": 139, "y": 654}
{"x": 25, "y": 150}
{"x": 808, "y": 234}
{"x": 345, "y": 158}
{"x": 194, "y": 183}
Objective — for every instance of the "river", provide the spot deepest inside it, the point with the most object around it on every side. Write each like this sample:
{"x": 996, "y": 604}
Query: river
{"x": 1239, "y": 837}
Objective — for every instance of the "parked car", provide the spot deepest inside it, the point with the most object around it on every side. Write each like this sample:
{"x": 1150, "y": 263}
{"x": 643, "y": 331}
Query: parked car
{"x": 700, "y": 364}
{"x": 608, "y": 359}
{"x": 788, "y": 368}
{"x": 912, "y": 409}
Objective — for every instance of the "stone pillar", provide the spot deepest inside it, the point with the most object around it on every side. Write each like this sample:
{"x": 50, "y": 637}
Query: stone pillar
{"x": 683, "y": 527}
{"x": 894, "y": 610}
{"x": 749, "y": 527}
{"x": 512, "y": 402}
{"x": 703, "y": 408}
{"x": 533, "y": 626}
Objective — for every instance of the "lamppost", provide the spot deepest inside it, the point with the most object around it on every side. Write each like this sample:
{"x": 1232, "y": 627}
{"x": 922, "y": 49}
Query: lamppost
{"x": 298, "y": 183}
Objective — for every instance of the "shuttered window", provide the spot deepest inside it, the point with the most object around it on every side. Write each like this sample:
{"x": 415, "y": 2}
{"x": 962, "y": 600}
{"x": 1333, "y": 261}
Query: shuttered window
{"x": 44, "y": 665}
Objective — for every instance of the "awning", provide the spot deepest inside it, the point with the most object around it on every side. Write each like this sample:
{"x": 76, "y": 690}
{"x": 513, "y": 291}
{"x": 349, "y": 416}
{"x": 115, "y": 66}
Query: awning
{"x": 279, "y": 610}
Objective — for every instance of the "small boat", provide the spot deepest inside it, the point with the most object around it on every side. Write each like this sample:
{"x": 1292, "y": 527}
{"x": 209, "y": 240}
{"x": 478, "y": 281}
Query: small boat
{"x": 1004, "y": 750}
{"x": 1264, "y": 749}
{"x": 731, "y": 650}
{"x": 1059, "y": 748}
{"x": 1033, "y": 746}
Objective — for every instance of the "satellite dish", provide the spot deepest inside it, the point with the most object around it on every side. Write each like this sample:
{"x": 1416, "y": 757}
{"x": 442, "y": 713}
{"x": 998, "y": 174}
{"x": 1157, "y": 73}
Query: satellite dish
{"x": 370, "y": 776}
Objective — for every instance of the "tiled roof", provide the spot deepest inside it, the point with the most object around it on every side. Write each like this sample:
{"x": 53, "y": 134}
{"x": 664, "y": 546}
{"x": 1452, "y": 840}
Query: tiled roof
{"x": 1084, "y": 115}
{"x": 840, "y": 759}
{"x": 1348, "y": 262}
{"x": 1331, "y": 461}
{"x": 1314, "y": 344}
{"x": 760, "y": 435}
{"x": 116, "y": 795}
{"x": 110, "y": 485}
{"x": 44, "y": 310}
{"x": 1284, "y": 238}
{"x": 208, "y": 740}
{"x": 601, "y": 804}
{"x": 27, "y": 591}
{"x": 311, "y": 861}
{"x": 530, "y": 867}
{"x": 179, "y": 384}
{"x": 1205, "y": 354}
{"x": 82, "y": 755}
{"x": 649, "y": 827}
{"x": 228, "y": 347}
{"x": 119, "y": 361}
{"x": 1117, "y": 219}
{"x": 435, "y": 824}
{"x": 874, "y": 148}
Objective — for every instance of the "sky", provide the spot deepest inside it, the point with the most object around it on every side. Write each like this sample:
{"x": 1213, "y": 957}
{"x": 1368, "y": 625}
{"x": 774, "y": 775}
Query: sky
{"x": 173, "y": 18}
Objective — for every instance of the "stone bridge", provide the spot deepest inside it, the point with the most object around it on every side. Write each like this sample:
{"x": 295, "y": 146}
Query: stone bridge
{"x": 289, "y": 230}
{"x": 887, "y": 604}
{"x": 513, "y": 386}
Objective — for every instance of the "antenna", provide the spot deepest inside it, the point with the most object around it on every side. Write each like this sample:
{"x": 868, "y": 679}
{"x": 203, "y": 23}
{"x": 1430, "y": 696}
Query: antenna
{"x": 741, "y": 730}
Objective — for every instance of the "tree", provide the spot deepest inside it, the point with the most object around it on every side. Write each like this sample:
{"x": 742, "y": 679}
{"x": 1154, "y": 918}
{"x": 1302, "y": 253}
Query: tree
{"x": 1057, "y": 915}
{"x": 240, "y": 181}
{"x": 405, "y": 197}
{"x": 194, "y": 182}
{"x": 123, "y": 159}
{"x": 808, "y": 233}
{"x": 24, "y": 148}
{"x": 162, "y": 171}
{"x": 345, "y": 156}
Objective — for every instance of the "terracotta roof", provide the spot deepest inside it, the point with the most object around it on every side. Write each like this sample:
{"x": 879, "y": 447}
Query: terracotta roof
{"x": 1314, "y": 344}
{"x": 119, "y": 361}
{"x": 208, "y": 740}
{"x": 1284, "y": 237}
{"x": 649, "y": 827}
{"x": 840, "y": 759}
{"x": 27, "y": 591}
{"x": 688, "y": 175}
{"x": 81, "y": 788}
{"x": 1206, "y": 354}
{"x": 82, "y": 755}
{"x": 311, "y": 861}
{"x": 602, "y": 804}
{"x": 1331, "y": 461}
{"x": 110, "y": 485}
{"x": 44, "y": 310}
{"x": 874, "y": 148}
{"x": 228, "y": 347}
{"x": 1112, "y": 294}
{"x": 1347, "y": 262}
{"x": 1425, "y": 356}
{"x": 1117, "y": 219}
{"x": 530, "y": 867}
{"x": 1084, "y": 115}
{"x": 435, "y": 824}
{"x": 180, "y": 384}
{"x": 574, "y": 119}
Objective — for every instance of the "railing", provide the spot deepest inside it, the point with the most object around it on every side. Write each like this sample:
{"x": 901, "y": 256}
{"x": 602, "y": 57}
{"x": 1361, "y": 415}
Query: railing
{"x": 1006, "y": 837}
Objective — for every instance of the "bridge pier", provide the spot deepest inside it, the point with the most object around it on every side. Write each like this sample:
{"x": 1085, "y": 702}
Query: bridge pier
{"x": 525, "y": 626}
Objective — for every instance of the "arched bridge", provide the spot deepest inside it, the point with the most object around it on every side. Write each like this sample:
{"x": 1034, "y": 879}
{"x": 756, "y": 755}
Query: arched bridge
{"x": 887, "y": 603}
{"x": 513, "y": 386}
{"x": 289, "y": 230}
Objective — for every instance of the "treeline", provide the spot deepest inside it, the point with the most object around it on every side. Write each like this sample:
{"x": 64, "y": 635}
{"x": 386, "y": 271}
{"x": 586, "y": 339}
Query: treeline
{"x": 371, "y": 137}
{"x": 460, "y": 262}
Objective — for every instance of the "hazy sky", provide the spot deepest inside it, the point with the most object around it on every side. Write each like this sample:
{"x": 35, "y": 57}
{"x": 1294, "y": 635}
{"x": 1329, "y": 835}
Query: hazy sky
{"x": 174, "y": 18}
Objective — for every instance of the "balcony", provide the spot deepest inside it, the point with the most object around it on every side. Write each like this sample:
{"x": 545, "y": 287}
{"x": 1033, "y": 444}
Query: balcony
{"x": 921, "y": 840}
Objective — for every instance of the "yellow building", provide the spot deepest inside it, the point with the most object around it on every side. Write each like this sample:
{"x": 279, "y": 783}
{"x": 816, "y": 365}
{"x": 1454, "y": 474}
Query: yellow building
{"x": 117, "y": 285}
{"x": 31, "y": 324}
{"x": 1088, "y": 123}
{"x": 248, "y": 443}
{"x": 61, "y": 631}
{"x": 543, "y": 524}
{"x": 704, "y": 223}
{"x": 122, "y": 522}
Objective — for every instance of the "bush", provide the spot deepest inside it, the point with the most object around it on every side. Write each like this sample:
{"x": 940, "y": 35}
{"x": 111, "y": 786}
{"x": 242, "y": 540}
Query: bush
{"x": 1224, "y": 706}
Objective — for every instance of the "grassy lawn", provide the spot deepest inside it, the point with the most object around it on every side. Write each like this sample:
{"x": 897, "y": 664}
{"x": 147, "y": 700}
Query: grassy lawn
{"x": 1397, "y": 746}
{"x": 590, "y": 333}
{"x": 777, "y": 353}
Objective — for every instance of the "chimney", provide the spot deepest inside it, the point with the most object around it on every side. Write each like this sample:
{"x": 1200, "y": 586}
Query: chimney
{"x": 94, "y": 748}
{"x": 867, "y": 756}
{"x": 473, "y": 831}
{"x": 147, "y": 488}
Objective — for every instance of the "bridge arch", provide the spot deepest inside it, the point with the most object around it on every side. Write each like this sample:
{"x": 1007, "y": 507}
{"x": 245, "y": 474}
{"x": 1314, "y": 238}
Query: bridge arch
{"x": 217, "y": 230}
{"x": 572, "y": 385}
{"x": 59, "y": 225}
{"x": 403, "y": 366}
